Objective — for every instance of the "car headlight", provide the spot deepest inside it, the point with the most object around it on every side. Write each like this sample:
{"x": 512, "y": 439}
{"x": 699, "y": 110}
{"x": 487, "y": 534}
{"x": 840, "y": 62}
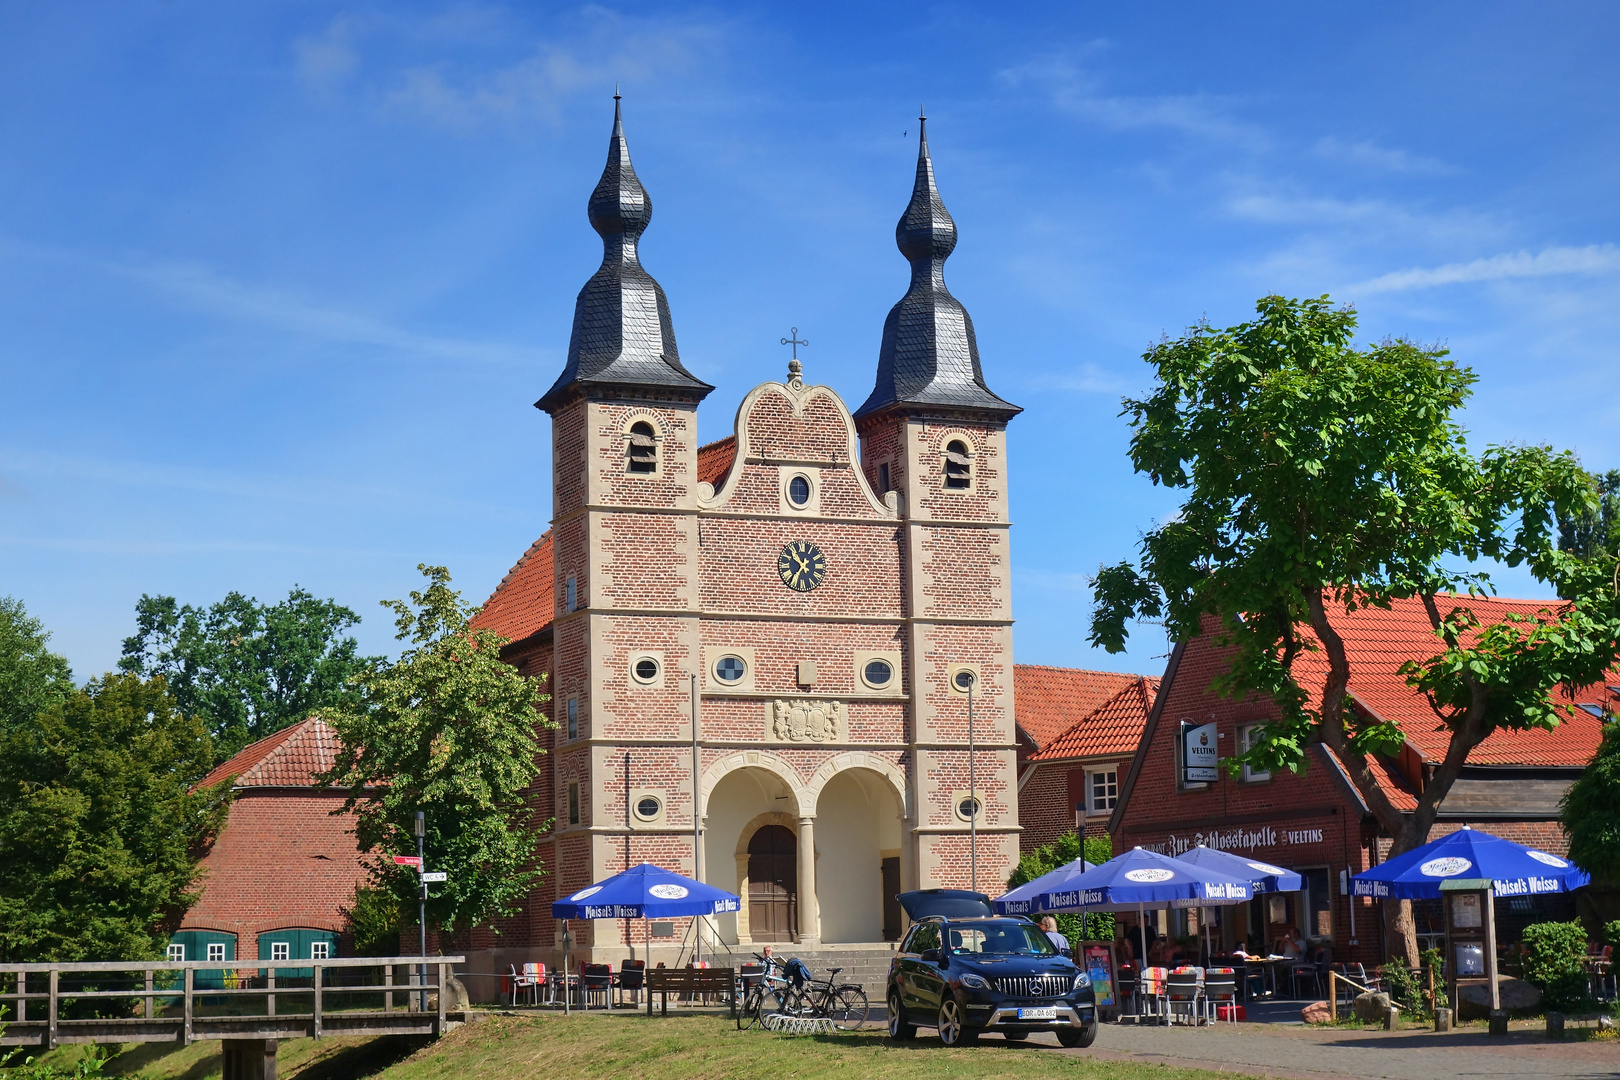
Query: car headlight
{"x": 975, "y": 982}
{"x": 1081, "y": 981}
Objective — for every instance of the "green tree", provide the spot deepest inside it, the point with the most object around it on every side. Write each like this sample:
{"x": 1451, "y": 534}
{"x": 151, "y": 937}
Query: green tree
{"x": 448, "y": 730}
{"x": 1590, "y": 811}
{"x": 1320, "y": 478}
{"x": 31, "y": 676}
{"x": 1593, "y": 531}
{"x": 1060, "y": 852}
{"x": 100, "y": 832}
{"x": 248, "y": 669}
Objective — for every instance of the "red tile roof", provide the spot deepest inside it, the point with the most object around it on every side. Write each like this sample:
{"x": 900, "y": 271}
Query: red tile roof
{"x": 522, "y": 603}
{"x": 1113, "y": 729}
{"x": 289, "y": 758}
{"x": 1379, "y": 641}
{"x": 714, "y": 460}
{"x": 1051, "y": 700}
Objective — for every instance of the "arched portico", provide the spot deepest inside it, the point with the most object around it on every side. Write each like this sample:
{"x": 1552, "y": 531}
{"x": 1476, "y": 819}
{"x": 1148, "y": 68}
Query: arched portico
{"x": 860, "y": 818}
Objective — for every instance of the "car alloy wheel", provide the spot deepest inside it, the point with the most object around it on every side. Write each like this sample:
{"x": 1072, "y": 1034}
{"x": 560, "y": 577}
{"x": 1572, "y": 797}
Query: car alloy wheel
{"x": 953, "y": 1025}
{"x": 898, "y": 1028}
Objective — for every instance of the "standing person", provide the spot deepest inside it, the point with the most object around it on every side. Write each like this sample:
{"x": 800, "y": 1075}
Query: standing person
{"x": 1060, "y": 942}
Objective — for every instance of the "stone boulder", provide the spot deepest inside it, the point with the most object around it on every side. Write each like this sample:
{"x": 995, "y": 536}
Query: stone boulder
{"x": 1370, "y": 1008}
{"x": 1474, "y": 1000}
{"x": 1316, "y": 1012}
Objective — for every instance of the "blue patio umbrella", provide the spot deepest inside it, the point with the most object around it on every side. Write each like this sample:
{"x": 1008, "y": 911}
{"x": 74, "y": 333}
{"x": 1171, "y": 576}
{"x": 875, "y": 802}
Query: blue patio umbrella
{"x": 1023, "y": 899}
{"x": 1514, "y": 870}
{"x": 643, "y": 892}
{"x": 1261, "y": 876}
{"x": 1141, "y": 879}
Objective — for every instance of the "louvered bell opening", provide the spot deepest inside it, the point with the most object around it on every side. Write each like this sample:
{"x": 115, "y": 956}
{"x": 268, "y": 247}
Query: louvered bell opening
{"x": 958, "y": 469}
{"x": 643, "y": 452}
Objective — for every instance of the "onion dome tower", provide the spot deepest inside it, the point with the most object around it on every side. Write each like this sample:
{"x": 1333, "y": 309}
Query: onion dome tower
{"x": 929, "y": 356}
{"x": 623, "y": 342}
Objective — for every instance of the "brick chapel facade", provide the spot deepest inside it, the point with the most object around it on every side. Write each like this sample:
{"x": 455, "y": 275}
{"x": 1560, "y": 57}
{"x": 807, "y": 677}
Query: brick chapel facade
{"x": 795, "y": 608}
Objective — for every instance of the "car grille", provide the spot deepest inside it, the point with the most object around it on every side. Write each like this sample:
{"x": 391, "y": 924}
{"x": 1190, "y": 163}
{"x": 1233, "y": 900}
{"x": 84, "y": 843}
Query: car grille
{"x": 1033, "y": 986}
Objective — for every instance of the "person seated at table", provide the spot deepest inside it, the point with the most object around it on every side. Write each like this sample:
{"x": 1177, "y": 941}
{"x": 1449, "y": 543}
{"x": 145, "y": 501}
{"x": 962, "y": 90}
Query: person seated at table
{"x": 1239, "y": 952}
{"x": 1158, "y": 952}
{"x": 1289, "y": 946}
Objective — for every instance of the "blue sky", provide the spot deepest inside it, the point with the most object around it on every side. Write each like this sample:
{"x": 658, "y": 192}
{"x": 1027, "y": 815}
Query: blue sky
{"x": 280, "y": 282}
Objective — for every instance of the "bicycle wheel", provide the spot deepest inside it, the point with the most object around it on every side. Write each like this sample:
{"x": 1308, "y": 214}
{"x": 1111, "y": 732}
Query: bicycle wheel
{"x": 848, "y": 1008}
{"x": 748, "y": 1014}
{"x": 774, "y": 1000}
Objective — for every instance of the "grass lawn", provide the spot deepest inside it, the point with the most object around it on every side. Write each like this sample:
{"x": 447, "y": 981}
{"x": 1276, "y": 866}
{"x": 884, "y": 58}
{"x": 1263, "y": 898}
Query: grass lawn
{"x": 677, "y": 1048}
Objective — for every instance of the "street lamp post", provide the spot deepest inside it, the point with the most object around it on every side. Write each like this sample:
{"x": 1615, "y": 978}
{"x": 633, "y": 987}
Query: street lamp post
{"x": 421, "y": 875}
{"x": 966, "y": 681}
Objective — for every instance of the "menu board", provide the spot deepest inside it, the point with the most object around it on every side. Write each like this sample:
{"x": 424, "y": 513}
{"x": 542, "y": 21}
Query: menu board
{"x": 1465, "y": 911}
{"x": 1470, "y": 958}
{"x": 1099, "y": 964}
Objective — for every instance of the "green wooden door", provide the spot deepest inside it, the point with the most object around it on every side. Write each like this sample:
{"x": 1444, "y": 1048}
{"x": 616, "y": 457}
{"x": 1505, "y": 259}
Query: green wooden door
{"x": 195, "y": 945}
{"x": 297, "y": 943}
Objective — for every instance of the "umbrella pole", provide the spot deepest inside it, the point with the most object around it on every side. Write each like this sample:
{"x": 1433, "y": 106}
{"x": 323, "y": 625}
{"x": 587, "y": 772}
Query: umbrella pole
{"x": 1141, "y": 931}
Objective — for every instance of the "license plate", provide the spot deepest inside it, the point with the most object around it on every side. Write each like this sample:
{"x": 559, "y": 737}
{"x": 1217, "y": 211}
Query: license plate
{"x": 1048, "y": 1013}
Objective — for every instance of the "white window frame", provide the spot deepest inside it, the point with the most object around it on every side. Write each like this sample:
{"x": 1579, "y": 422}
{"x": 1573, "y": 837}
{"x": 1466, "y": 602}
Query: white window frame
{"x": 216, "y": 951}
{"x": 571, "y": 595}
{"x": 1252, "y": 776}
{"x": 177, "y": 954}
{"x": 572, "y": 730}
{"x": 280, "y": 950}
{"x": 320, "y": 950}
{"x": 1092, "y": 809}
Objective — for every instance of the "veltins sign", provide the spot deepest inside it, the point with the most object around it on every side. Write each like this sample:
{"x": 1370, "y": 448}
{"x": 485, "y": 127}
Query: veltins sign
{"x": 1200, "y": 753}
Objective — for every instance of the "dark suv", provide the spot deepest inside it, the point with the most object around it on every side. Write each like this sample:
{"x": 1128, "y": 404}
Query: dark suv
{"x": 963, "y": 970}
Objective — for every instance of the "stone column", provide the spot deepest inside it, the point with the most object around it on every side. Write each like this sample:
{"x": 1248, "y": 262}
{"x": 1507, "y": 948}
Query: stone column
{"x": 809, "y": 910}
{"x": 745, "y": 934}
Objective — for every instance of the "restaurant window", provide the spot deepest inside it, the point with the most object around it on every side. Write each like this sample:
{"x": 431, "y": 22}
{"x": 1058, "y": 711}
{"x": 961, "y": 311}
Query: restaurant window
{"x": 1316, "y": 906}
{"x": 1102, "y": 790}
{"x": 1251, "y": 738}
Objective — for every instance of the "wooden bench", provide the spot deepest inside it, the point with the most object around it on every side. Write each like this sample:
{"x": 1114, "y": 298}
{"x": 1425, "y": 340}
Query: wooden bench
{"x": 690, "y": 981}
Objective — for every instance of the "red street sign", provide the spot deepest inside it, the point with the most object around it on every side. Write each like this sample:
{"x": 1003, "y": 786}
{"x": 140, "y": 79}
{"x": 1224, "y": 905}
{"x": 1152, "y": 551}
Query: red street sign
{"x": 408, "y": 860}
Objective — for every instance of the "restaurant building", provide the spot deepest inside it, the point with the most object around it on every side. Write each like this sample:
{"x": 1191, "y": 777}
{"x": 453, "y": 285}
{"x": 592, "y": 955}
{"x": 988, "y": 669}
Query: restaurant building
{"x": 1315, "y": 822}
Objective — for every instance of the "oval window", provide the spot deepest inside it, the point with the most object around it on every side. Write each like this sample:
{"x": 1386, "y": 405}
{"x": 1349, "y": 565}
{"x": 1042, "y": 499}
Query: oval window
{"x": 964, "y": 680}
{"x": 799, "y": 491}
{"x": 729, "y": 669}
{"x": 968, "y": 807}
{"x": 647, "y": 807}
{"x": 646, "y": 669}
{"x": 878, "y": 673}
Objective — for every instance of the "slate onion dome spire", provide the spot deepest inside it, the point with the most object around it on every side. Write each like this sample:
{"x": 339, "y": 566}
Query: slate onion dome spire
{"x": 623, "y": 342}
{"x": 929, "y": 357}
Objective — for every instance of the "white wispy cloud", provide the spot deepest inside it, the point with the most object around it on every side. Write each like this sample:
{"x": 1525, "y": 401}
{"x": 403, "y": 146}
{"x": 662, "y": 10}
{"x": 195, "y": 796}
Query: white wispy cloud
{"x": 1594, "y": 259}
{"x": 615, "y": 48}
{"x": 1085, "y": 378}
{"x": 1077, "y": 90}
{"x": 1369, "y": 155}
{"x": 326, "y": 58}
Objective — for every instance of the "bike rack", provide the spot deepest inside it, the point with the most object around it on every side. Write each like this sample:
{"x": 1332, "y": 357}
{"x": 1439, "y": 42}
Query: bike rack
{"x": 784, "y": 1024}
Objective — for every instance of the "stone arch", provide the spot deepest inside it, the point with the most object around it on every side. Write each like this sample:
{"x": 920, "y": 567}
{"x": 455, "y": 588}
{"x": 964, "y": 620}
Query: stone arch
{"x": 858, "y": 759}
{"x": 758, "y": 759}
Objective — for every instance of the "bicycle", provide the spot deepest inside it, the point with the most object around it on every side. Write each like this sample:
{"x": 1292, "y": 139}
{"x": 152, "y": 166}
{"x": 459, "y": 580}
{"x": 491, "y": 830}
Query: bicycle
{"x": 762, "y": 996}
{"x": 845, "y": 1005}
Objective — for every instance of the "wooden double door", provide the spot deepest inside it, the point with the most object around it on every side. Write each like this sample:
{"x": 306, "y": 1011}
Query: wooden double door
{"x": 773, "y": 884}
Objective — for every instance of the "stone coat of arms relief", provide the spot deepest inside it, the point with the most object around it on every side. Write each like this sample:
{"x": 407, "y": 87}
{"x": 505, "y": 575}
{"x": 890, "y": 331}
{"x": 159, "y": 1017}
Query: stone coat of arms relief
{"x": 807, "y": 721}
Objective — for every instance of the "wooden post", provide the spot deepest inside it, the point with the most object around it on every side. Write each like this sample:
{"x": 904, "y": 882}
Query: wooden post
{"x": 22, "y": 988}
{"x": 270, "y": 991}
{"x": 1434, "y": 1002}
{"x": 317, "y": 1021}
{"x": 186, "y": 1007}
{"x": 388, "y": 995}
{"x": 1498, "y": 1019}
{"x": 1333, "y": 995}
{"x": 438, "y": 1024}
{"x": 50, "y": 1034}
{"x": 149, "y": 987}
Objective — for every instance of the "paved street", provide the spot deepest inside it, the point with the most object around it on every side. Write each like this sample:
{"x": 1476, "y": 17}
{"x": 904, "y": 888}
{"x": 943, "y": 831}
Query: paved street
{"x": 1311, "y": 1053}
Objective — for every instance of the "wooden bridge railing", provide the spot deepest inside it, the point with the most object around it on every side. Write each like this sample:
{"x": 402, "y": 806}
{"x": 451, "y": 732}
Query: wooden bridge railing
{"x": 160, "y": 1001}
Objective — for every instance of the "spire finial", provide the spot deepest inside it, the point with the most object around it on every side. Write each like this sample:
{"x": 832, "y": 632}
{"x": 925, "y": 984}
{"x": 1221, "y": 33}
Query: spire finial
{"x": 795, "y": 368}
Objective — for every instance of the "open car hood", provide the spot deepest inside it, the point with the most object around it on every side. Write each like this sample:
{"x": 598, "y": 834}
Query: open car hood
{"x": 951, "y": 903}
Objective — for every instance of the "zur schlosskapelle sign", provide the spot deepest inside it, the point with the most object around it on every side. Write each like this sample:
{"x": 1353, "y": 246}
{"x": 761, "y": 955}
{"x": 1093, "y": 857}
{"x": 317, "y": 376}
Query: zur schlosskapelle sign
{"x": 1200, "y": 753}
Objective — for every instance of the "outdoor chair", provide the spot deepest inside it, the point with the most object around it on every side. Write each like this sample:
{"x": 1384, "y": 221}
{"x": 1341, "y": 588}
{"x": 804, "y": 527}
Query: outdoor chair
{"x": 1152, "y": 991}
{"x": 1125, "y": 987}
{"x": 531, "y": 979}
{"x": 1220, "y": 990}
{"x": 1308, "y": 972}
{"x": 1182, "y": 994}
{"x": 598, "y": 982}
{"x": 632, "y": 978}
{"x": 748, "y": 976}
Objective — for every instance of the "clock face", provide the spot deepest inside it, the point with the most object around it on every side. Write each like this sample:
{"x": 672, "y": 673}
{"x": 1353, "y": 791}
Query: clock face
{"x": 801, "y": 566}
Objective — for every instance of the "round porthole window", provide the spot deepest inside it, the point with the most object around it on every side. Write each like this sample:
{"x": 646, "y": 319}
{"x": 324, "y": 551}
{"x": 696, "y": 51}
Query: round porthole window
{"x": 799, "y": 491}
{"x": 968, "y": 807}
{"x": 878, "y": 673}
{"x": 648, "y": 808}
{"x": 730, "y": 669}
{"x": 964, "y": 680}
{"x": 646, "y": 669}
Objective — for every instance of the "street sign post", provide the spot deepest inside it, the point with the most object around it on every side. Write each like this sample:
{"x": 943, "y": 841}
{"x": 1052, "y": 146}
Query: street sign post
{"x": 408, "y": 860}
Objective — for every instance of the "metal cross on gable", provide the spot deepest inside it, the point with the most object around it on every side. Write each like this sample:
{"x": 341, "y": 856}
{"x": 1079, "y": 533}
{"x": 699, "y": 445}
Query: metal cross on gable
{"x": 795, "y": 341}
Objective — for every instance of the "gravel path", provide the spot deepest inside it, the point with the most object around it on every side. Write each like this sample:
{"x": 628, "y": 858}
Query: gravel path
{"x": 1302, "y": 1053}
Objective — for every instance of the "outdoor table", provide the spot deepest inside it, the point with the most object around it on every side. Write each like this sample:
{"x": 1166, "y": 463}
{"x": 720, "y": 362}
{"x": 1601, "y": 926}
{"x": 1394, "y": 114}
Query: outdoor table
{"x": 1598, "y": 970}
{"x": 1267, "y": 967}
